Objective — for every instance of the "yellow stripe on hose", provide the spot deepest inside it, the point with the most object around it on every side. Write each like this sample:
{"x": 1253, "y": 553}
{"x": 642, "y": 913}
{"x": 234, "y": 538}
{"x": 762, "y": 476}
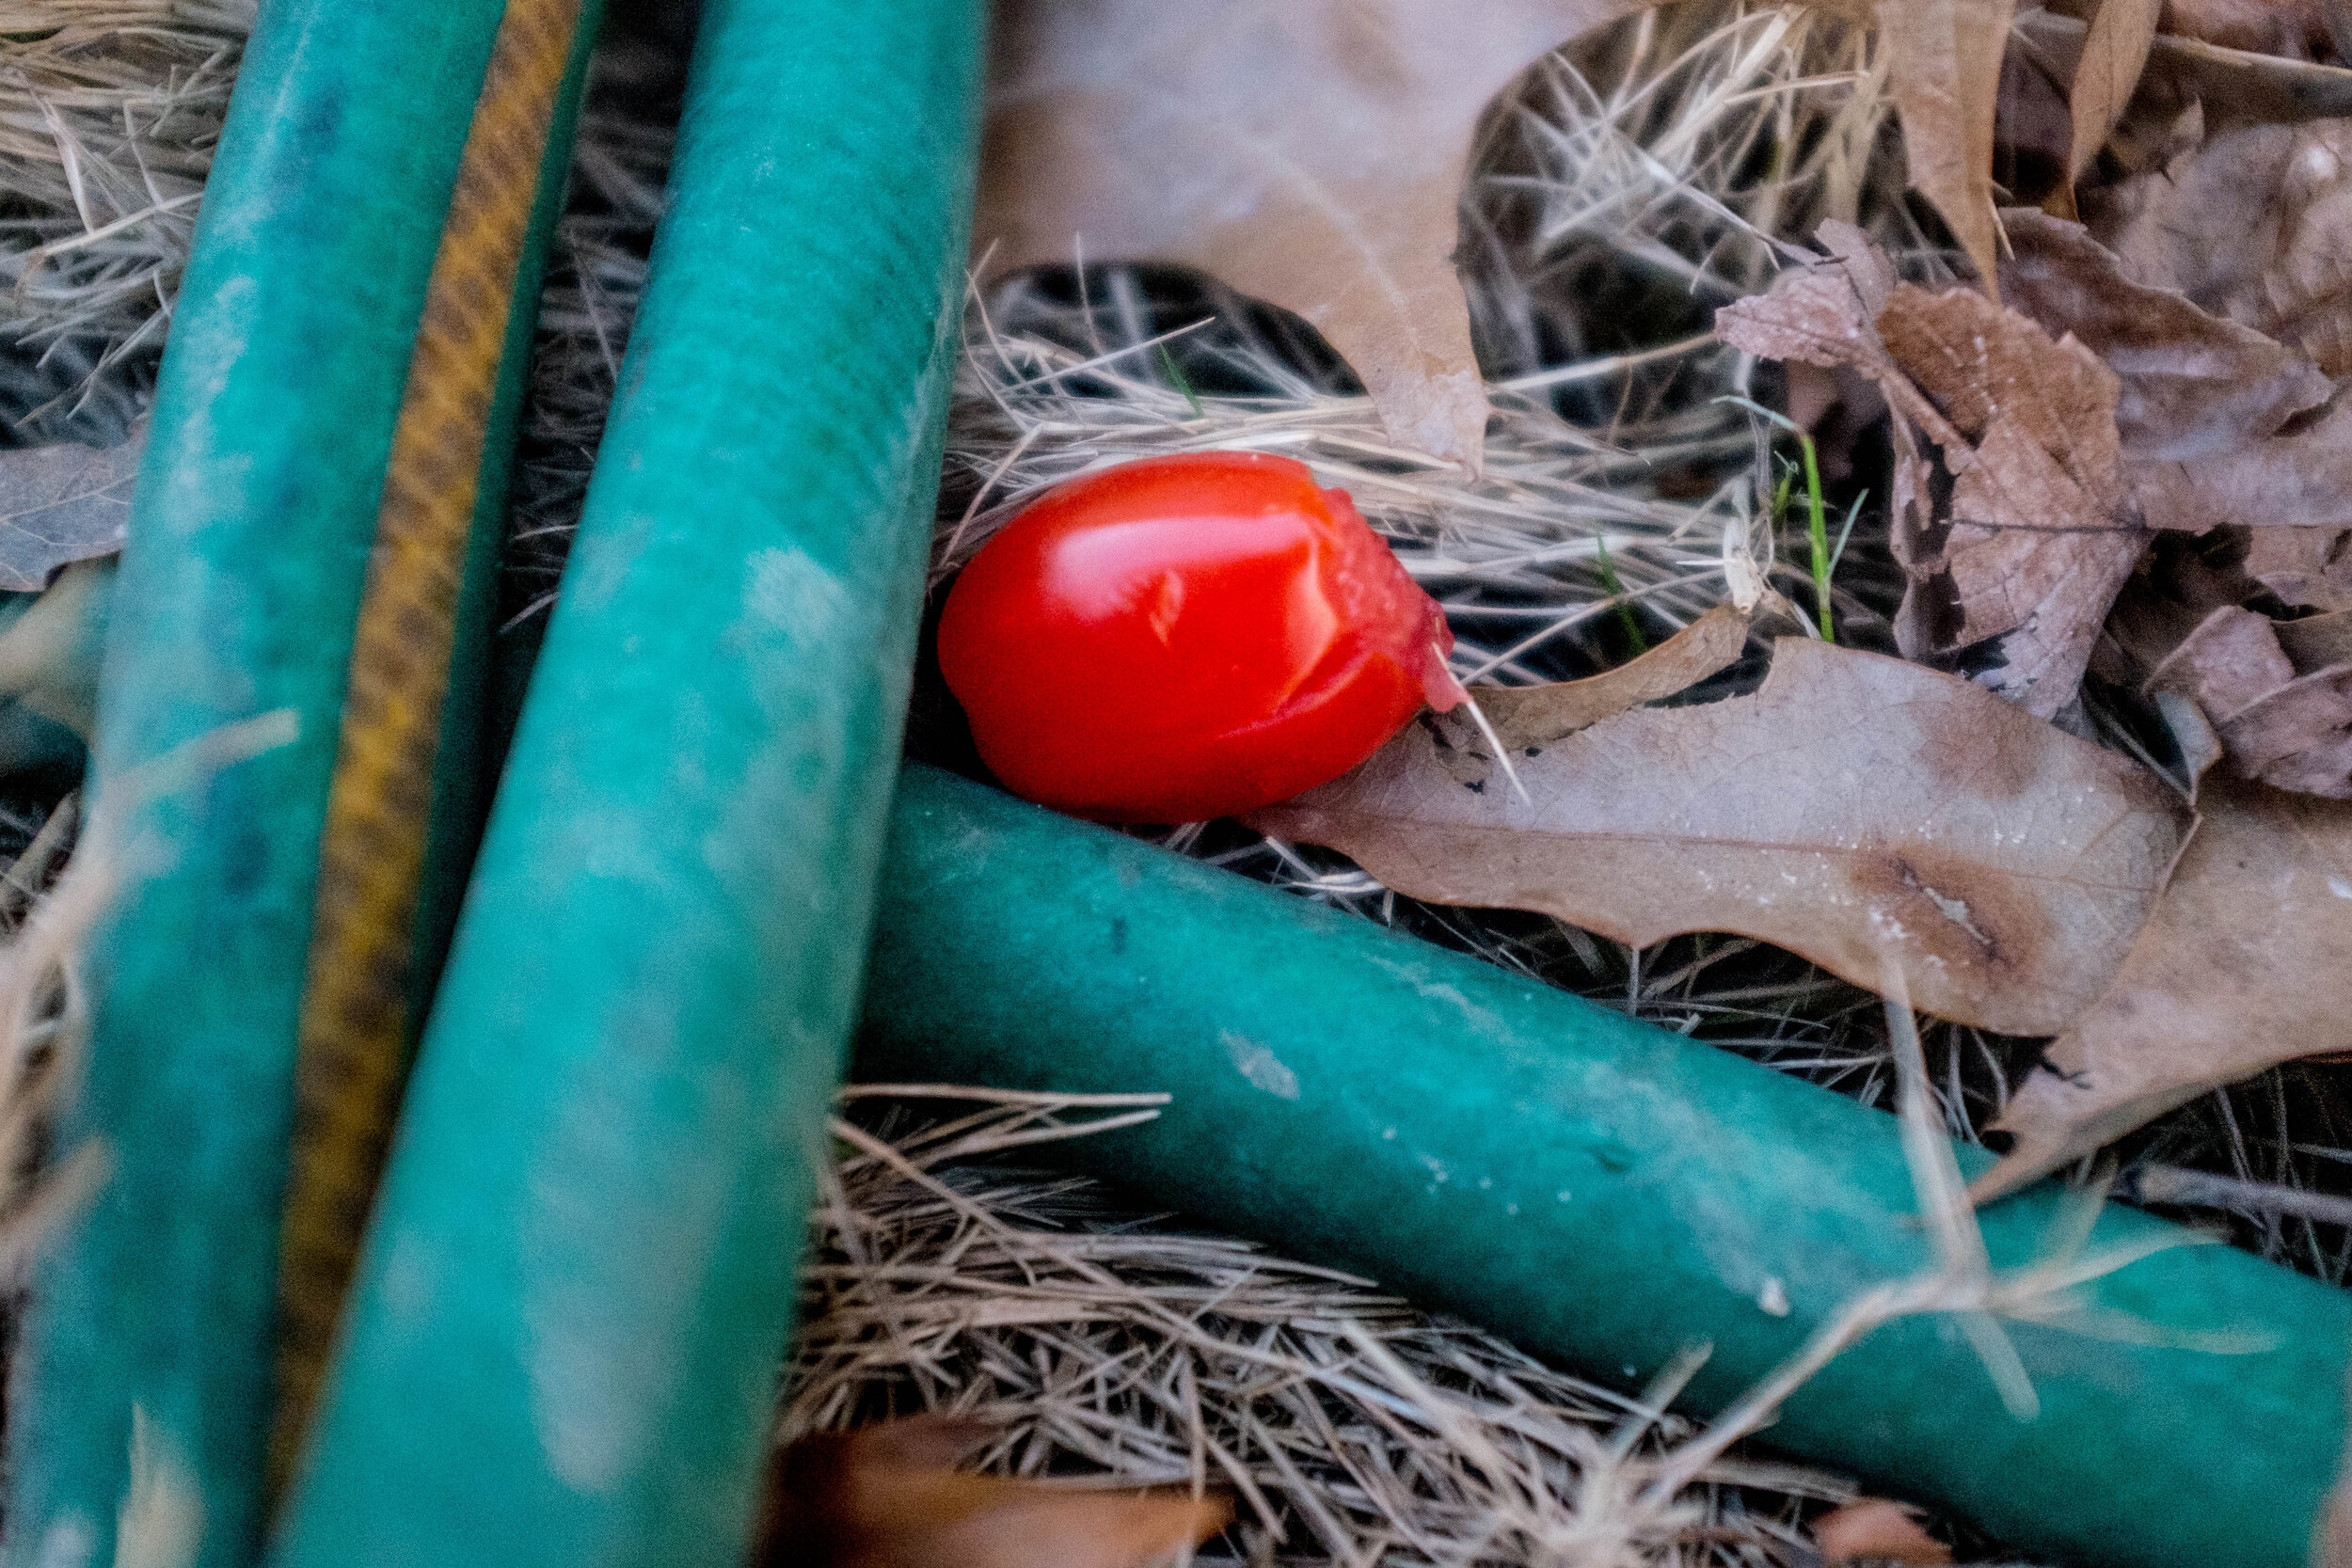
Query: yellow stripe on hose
{"x": 355, "y": 1006}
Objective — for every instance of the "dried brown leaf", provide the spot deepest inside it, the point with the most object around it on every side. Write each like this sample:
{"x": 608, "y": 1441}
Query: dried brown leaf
{"x": 2039, "y": 544}
{"x": 2255, "y": 227}
{"x": 1853, "y": 809}
{"x": 2228, "y": 661}
{"x": 1986, "y": 366}
{"x": 2290, "y": 28}
{"x": 2297, "y": 737}
{"x": 2303, "y": 479}
{"x": 1523, "y": 717}
{"x": 2115, "y": 50}
{"x": 1944, "y": 71}
{"x": 1309, "y": 154}
{"x": 1875, "y": 1529}
{"x": 60, "y": 505}
{"x": 2275, "y": 695}
{"x": 2202, "y": 399}
{"x": 2232, "y": 88}
{"x": 2309, "y": 567}
{"x": 2189, "y": 383}
{"x": 2246, "y": 962}
{"x": 1827, "y": 315}
{"x": 2316, "y": 642}
{"x": 887, "y": 1496}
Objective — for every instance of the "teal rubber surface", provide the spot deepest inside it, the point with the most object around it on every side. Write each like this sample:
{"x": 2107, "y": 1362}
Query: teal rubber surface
{"x": 565, "y": 1333}
{"x": 1599, "y": 1189}
{"x": 248, "y": 544}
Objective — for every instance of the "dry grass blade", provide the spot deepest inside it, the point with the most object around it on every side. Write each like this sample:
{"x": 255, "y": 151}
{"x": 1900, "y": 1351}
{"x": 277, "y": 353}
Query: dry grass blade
{"x": 109, "y": 110}
{"x": 45, "y": 1022}
{"x": 1348, "y": 1427}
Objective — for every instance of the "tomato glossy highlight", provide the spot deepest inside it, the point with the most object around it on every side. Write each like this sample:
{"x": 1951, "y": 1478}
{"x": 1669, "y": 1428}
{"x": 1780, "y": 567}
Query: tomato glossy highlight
{"x": 1187, "y": 636}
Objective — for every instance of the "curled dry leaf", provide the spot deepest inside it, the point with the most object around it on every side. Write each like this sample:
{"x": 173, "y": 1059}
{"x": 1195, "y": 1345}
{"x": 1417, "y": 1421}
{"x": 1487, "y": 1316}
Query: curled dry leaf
{"x": 1875, "y": 1529}
{"x": 2317, "y": 642}
{"x": 1534, "y": 717}
{"x": 2245, "y": 962}
{"x": 2189, "y": 383}
{"x": 2230, "y": 88}
{"x": 2202, "y": 398}
{"x": 2115, "y": 50}
{"x": 2275, "y": 697}
{"x": 2307, "y": 567}
{"x": 1853, "y": 809}
{"x": 2255, "y": 227}
{"x": 2302, "y": 478}
{"x": 2292, "y": 29}
{"x": 1943, "y": 72}
{"x": 2283, "y": 721}
{"x": 2038, "y": 542}
{"x": 889, "y": 1496}
{"x": 2039, "y": 545}
{"x": 1310, "y": 153}
{"x": 60, "y": 505}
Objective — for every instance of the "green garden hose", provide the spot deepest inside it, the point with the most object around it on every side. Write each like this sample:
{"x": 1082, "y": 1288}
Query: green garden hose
{"x": 359, "y": 1001}
{"x": 562, "y": 1344}
{"x": 1599, "y": 1189}
{"x": 256, "y": 509}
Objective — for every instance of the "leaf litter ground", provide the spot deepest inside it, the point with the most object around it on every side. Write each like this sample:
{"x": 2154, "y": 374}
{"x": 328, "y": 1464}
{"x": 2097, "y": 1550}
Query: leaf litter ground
{"x": 1617, "y": 202}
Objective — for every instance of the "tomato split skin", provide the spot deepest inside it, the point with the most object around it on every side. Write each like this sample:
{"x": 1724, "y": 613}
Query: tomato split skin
{"x": 1187, "y": 636}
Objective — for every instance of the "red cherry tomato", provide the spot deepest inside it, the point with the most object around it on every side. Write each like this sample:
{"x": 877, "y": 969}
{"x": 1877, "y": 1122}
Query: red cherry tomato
{"x": 1188, "y": 637}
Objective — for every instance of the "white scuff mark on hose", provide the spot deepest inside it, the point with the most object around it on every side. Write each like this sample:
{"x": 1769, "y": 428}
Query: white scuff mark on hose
{"x": 1258, "y": 1063}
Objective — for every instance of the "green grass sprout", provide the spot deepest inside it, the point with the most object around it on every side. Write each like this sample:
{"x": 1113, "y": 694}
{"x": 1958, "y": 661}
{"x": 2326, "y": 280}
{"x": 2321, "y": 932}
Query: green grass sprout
{"x": 1818, "y": 528}
{"x": 1178, "y": 379}
{"x": 1615, "y": 588}
{"x": 1845, "y": 531}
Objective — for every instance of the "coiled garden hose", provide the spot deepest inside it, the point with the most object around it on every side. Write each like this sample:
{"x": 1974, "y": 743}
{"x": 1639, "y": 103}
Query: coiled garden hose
{"x": 1599, "y": 1189}
{"x": 262, "y": 496}
{"x": 560, "y": 1347}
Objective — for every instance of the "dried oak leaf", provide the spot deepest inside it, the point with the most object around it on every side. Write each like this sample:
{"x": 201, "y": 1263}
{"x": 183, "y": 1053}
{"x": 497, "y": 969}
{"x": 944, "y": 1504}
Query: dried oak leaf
{"x": 63, "y": 504}
{"x": 2040, "y": 541}
{"x": 2302, "y": 478}
{"x": 1943, "y": 72}
{"x": 2229, "y": 87}
{"x": 1310, "y": 153}
{"x": 2307, "y": 568}
{"x": 2202, "y": 399}
{"x": 2115, "y": 52}
{"x": 2255, "y": 227}
{"x": 1313, "y": 154}
{"x": 2273, "y": 697}
{"x": 889, "y": 1496}
{"x": 2245, "y": 962}
{"x": 1854, "y": 808}
{"x": 2189, "y": 383}
{"x": 1533, "y": 717}
{"x": 1875, "y": 1529}
{"x": 2284, "y": 722}
{"x": 2292, "y": 29}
